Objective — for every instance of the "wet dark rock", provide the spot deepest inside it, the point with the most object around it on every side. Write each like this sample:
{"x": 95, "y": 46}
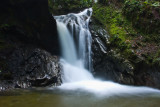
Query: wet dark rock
{"x": 28, "y": 66}
{"x": 107, "y": 64}
{"x": 28, "y": 41}
{"x": 110, "y": 64}
{"x": 147, "y": 75}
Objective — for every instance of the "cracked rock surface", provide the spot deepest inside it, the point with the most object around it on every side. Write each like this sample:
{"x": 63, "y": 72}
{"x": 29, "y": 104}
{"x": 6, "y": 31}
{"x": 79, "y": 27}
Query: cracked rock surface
{"x": 30, "y": 67}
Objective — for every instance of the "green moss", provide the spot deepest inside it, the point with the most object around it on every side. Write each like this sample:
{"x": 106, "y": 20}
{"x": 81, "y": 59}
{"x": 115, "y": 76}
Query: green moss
{"x": 115, "y": 30}
{"x": 124, "y": 32}
{"x": 114, "y": 22}
{"x": 144, "y": 15}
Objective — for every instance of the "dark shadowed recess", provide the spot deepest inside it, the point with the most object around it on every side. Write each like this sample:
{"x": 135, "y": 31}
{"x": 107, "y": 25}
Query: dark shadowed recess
{"x": 29, "y": 21}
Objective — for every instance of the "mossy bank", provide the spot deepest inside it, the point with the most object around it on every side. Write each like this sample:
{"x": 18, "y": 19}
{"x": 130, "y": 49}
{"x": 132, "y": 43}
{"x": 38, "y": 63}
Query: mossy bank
{"x": 133, "y": 28}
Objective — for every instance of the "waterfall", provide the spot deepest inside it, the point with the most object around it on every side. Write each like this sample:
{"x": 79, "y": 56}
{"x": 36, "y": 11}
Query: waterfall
{"x": 95, "y": 1}
{"x": 74, "y": 33}
{"x": 75, "y": 39}
{"x": 67, "y": 44}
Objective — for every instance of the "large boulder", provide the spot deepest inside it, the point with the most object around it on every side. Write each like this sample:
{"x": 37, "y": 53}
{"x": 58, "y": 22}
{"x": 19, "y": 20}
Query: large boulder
{"x": 28, "y": 43}
{"x": 28, "y": 66}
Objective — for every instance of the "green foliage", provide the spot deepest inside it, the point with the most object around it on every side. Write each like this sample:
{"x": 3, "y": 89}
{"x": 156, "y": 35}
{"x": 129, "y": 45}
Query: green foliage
{"x": 144, "y": 15}
{"x": 4, "y": 25}
{"x": 156, "y": 59}
{"x": 67, "y": 5}
{"x": 103, "y": 2}
{"x": 127, "y": 23}
{"x": 115, "y": 23}
{"x": 156, "y": 4}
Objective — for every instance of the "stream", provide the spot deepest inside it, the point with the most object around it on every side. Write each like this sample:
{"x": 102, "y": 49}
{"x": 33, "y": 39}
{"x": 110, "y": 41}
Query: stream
{"x": 80, "y": 88}
{"x": 59, "y": 98}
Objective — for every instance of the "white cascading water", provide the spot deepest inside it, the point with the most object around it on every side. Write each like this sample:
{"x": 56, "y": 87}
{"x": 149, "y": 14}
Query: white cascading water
{"x": 95, "y": 1}
{"x": 75, "y": 39}
{"x": 76, "y": 44}
{"x": 76, "y": 54}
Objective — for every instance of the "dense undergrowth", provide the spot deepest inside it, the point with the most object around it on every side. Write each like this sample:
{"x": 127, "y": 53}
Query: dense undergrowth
{"x": 66, "y": 6}
{"x": 134, "y": 27}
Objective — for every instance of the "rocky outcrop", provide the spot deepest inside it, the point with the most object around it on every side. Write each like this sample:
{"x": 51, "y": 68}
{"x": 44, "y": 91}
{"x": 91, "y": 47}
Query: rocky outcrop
{"x": 107, "y": 64}
{"x": 147, "y": 75}
{"x": 28, "y": 43}
{"x": 28, "y": 66}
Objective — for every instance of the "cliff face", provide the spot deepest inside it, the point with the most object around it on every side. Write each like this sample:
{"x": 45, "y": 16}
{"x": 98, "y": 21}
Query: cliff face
{"x": 28, "y": 41}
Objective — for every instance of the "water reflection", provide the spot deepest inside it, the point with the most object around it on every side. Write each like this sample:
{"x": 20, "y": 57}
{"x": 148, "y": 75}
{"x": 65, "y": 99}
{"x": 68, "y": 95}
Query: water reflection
{"x": 60, "y": 98}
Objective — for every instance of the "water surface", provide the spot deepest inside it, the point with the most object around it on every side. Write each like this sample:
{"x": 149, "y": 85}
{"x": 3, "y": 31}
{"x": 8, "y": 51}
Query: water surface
{"x": 77, "y": 98}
